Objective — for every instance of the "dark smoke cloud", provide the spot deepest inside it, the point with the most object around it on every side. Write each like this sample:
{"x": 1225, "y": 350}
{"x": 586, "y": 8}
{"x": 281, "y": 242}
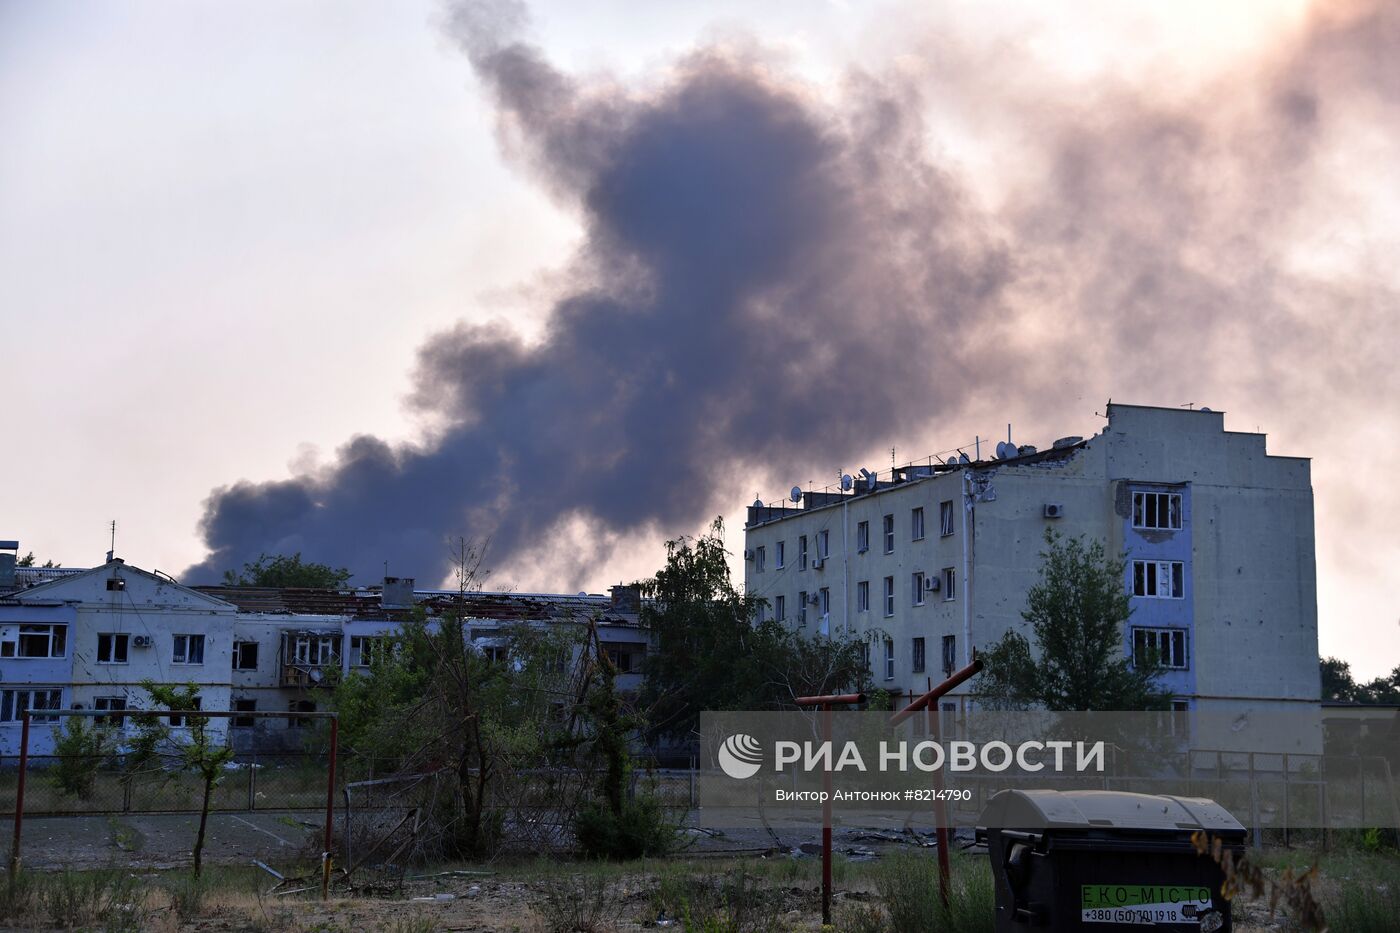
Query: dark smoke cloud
{"x": 750, "y": 251}
{"x": 774, "y": 278}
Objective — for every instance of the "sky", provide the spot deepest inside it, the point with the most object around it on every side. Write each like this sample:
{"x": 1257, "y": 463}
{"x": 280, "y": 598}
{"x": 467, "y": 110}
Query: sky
{"x": 349, "y": 277}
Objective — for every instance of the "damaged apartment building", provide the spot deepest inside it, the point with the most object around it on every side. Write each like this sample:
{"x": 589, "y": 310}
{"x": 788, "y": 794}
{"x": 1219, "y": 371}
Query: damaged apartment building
{"x": 935, "y": 559}
{"x": 87, "y": 638}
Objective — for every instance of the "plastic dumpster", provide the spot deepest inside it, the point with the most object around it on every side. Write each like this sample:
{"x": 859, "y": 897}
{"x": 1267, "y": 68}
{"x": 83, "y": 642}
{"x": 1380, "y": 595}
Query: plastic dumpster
{"x": 1106, "y": 860}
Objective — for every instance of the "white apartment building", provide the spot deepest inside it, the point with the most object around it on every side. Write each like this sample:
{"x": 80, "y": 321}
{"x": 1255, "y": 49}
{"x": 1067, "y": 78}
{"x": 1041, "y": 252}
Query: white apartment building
{"x": 87, "y": 639}
{"x": 936, "y": 559}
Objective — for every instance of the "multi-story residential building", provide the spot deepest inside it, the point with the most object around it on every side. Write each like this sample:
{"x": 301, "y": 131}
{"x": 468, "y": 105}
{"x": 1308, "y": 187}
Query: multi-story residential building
{"x": 935, "y": 559}
{"x": 88, "y": 639}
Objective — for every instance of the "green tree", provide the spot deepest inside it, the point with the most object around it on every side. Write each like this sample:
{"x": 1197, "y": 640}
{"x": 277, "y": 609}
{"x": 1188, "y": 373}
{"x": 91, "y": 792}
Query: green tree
{"x": 279, "y": 570}
{"x": 1077, "y": 610}
{"x": 435, "y": 700}
{"x": 1337, "y": 683}
{"x": 197, "y": 750}
{"x": 1339, "y": 686}
{"x": 616, "y": 824}
{"x": 28, "y": 561}
{"x": 711, "y": 653}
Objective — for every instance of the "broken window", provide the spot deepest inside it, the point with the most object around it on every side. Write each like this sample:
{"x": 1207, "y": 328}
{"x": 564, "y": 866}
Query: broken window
{"x": 107, "y": 704}
{"x": 244, "y": 706}
{"x": 1157, "y": 510}
{"x": 1165, "y": 646}
{"x": 950, "y": 653}
{"x": 13, "y": 703}
{"x": 178, "y": 720}
{"x": 364, "y": 649}
{"x": 779, "y": 555}
{"x": 801, "y": 607}
{"x": 187, "y": 649}
{"x": 1159, "y": 579}
{"x": 760, "y": 559}
{"x": 862, "y": 537}
{"x": 41, "y": 641}
{"x": 112, "y": 648}
{"x": 945, "y": 517}
{"x": 245, "y": 656}
{"x": 299, "y": 706}
{"x": 824, "y": 544}
{"x": 916, "y": 656}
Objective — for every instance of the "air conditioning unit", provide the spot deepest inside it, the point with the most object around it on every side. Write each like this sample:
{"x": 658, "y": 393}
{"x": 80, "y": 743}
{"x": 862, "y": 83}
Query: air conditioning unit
{"x": 142, "y": 641}
{"x": 815, "y": 599}
{"x": 817, "y": 562}
{"x": 748, "y": 555}
{"x": 932, "y": 583}
{"x": 1054, "y": 510}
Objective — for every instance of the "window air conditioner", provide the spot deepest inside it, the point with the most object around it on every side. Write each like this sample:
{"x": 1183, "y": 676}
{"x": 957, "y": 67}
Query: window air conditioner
{"x": 1054, "y": 510}
{"x": 142, "y": 641}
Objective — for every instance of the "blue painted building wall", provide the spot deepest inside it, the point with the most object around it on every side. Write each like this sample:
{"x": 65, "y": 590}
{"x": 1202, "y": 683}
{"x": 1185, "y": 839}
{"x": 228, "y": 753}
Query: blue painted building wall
{"x": 1160, "y": 544}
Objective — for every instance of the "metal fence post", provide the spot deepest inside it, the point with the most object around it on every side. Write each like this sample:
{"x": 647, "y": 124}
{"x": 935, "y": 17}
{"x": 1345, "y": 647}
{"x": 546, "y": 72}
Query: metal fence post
{"x": 253, "y": 783}
{"x": 19, "y": 797}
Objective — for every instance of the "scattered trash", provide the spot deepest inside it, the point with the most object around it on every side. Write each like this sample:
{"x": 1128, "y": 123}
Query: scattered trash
{"x": 437, "y": 897}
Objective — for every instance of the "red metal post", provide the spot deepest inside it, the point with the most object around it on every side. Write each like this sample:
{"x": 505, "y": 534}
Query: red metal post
{"x": 929, "y": 701}
{"x": 19, "y": 796}
{"x": 330, "y": 813}
{"x": 826, "y": 817}
{"x": 957, "y": 678}
{"x": 940, "y": 814}
{"x": 826, "y": 702}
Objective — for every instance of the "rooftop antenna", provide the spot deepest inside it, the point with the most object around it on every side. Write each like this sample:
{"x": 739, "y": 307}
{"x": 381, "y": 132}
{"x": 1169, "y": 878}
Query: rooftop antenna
{"x": 891, "y": 458}
{"x": 113, "y": 549}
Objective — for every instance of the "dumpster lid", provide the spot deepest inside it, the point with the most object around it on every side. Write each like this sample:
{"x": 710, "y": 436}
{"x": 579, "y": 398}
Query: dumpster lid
{"x": 1105, "y": 809}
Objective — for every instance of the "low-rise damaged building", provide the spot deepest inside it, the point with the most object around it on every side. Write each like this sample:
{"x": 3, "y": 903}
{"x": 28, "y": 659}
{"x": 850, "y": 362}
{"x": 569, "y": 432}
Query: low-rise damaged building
{"x": 89, "y": 638}
{"x": 935, "y": 559}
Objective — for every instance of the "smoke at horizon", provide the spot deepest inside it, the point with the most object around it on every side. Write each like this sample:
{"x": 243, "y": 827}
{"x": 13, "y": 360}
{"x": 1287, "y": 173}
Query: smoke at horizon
{"x": 770, "y": 274}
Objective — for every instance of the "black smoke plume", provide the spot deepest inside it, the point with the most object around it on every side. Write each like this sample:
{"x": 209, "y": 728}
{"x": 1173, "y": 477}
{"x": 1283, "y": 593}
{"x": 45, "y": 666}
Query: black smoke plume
{"x": 772, "y": 277}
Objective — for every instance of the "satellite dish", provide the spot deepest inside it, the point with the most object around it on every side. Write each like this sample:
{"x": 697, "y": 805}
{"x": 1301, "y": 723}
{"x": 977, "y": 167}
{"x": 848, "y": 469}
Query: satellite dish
{"x": 758, "y": 503}
{"x": 796, "y": 494}
{"x": 846, "y": 481}
{"x": 963, "y": 458}
{"x": 1204, "y": 408}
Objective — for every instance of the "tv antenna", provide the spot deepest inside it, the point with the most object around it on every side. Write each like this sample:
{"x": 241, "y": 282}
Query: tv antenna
{"x": 112, "y": 550}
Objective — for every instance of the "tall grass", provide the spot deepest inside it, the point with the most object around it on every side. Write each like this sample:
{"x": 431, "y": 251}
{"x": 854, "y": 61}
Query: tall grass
{"x": 908, "y": 886}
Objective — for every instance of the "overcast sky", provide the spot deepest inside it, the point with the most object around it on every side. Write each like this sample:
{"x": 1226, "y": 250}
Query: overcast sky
{"x": 229, "y": 230}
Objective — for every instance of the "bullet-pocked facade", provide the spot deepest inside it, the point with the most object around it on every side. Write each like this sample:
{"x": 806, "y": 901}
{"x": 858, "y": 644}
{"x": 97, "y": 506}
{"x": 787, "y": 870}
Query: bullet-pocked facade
{"x": 936, "y": 559}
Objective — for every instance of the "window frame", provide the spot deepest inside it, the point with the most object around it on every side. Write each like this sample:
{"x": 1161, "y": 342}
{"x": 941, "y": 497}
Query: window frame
{"x": 110, "y": 704}
{"x": 946, "y": 521}
{"x": 801, "y": 607}
{"x": 12, "y": 706}
{"x": 889, "y": 659}
{"x": 950, "y": 654}
{"x": 760, "y": 559}
{"x": 113, "y": 640}
{"x": 1147, "y": 579}
{"x": 802, "y": 556}
{"x": 862, "y": 537}
{"x": 238, "y": 647}
{"x": 887, "y": 529}
{"x": 862, "y": 596}
{"x": 916, "y": 523}
{"x": 916, "y": 583}
{"x": 190, "y": 640}
{"x": 779, "y": 555}
{"x": 889, "y": 597}
{"x": 918, "y": 655}
{"x": 950, "y": 584}
{"x": 1147, "y": 506}
{"x": 244, "y": 722}
{"x": 1155, "y": 636}
{"x": 54, "y": 633}
{"x": 780, "y": 608}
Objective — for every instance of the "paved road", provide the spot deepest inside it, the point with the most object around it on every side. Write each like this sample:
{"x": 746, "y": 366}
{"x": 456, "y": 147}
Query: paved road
{"x": 157, "y": 840}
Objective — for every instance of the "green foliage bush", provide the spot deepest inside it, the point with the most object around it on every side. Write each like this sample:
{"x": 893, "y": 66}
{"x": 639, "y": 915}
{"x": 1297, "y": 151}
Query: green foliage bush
{"x": 641, "y": 828}
{"x": 81, "y": 749}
